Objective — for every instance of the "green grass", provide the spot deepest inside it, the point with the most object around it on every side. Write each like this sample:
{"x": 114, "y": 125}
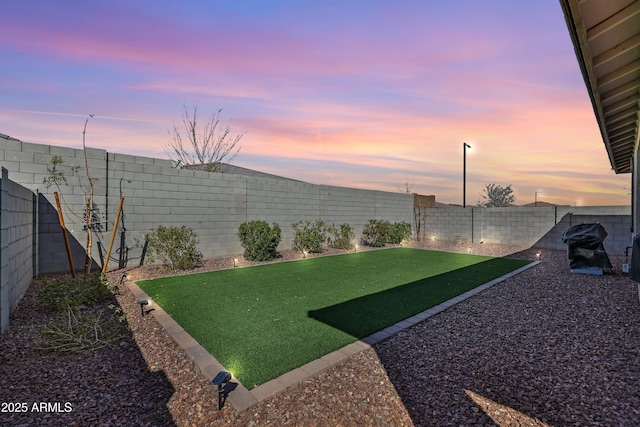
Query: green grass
{"x": 263, "y": 321}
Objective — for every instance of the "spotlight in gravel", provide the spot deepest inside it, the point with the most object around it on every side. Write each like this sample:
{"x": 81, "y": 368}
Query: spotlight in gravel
{"x": 539, "y": 256}
{"x": 235, "y": 262}
{"x": 143, "y": 304}
{"x": 221, "y": 381}
{"x": 304, "y": 254}
{"x": 469, "y": 250}
{"x": 355, "y": 248}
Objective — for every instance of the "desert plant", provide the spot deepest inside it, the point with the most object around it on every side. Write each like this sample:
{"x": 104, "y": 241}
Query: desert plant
{"x": 398, "y": 232}
{"x": 177, "y": 247}
{"x": 309, "y": 236}
{"x": 259, "y": 240}
{"x": 376, "y": 233}
{"x": 343, "y": 236}
{"x": 60, "y": 293}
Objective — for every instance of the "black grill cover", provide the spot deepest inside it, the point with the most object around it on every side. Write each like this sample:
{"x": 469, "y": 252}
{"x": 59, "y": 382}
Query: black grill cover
{"x": 635, "y": 259}
{"x": 585, "y": 246}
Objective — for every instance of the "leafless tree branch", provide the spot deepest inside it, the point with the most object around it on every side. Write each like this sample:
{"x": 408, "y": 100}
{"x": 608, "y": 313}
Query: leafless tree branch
{"x": 210, "y": 147}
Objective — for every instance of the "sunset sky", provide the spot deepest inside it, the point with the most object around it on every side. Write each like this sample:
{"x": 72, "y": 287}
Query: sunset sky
{"x": 361, "y": 93}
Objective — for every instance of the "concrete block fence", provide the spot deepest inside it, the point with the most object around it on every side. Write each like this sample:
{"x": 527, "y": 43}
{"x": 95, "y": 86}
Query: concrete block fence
{"x": 18, "y": 241}
{"x": 541, "y": 227}
{"x": 212, "y": 204}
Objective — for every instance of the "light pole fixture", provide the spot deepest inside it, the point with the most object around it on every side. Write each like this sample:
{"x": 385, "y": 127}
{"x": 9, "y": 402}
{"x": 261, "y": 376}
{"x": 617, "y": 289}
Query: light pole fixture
{"x": 535, "y": 203}
{"x": 464, "y": 173}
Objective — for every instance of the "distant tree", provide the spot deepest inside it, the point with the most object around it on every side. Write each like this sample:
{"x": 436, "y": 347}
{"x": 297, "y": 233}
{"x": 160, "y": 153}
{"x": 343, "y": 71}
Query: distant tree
{"x": 209, "y": 147}
{"x": 408, "y": 187}
{"x": 497, "y": 196}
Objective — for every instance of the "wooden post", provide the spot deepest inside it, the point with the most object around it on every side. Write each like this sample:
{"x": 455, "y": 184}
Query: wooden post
{"x": 64, "y": 234}
{"x": 113, "y": 235}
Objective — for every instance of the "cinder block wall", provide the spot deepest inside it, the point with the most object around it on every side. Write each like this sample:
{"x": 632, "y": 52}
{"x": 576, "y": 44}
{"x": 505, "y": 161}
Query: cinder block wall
{"x": 541, "y": 227}
{"x": 213, "y": 205}
{"x": 17, "y": 244}
{"x": 617, "y": 226}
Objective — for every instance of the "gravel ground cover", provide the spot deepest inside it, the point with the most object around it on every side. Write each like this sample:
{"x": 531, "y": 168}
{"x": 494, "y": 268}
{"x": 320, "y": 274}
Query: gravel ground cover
{"x": 546, "y": 347}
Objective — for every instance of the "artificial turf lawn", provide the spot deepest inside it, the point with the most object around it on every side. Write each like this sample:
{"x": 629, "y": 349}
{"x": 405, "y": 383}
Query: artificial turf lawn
{"x": 263, "y": 321}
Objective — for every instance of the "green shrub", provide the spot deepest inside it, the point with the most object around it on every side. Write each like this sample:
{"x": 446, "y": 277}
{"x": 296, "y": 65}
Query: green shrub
{"x": 399, "y": 231}
{"x": 260, "y": 242}
{"x": 343, "y": 236}
{"x": 176, "y": 247}
{"x": 60, "y": 293}
{"x": 376, "y": 233}
{"x": 309, "y": 236}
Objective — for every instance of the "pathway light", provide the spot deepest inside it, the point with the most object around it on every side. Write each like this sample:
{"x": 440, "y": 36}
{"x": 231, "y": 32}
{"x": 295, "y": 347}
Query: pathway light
{"x": 220, "y": 381}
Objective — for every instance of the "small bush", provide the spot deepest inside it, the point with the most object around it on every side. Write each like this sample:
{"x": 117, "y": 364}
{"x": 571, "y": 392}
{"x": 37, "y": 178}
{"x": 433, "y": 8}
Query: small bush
{"x": 343, "y": 236}
{"x": 260, "y": 242}
{"x": 399, "y": 231}
{"x": 176, "y": 247}
{"x": 376, "y": 233}
{"x": 60, "y": 293}
{"x": 309, "y": 236}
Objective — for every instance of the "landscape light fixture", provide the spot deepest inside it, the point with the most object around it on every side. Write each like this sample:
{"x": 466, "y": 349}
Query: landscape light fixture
{"x": 144, "y": 303}
{"x": 116, "y": 287}
{"x": 221, "y": 380}
{"x": 539, "y": 256}
{"x": 235, "y": 262}
{"x": 464, "y": 173}
{"x": 355, "y": 247}
{"x": 469, "y": 250}
{"x": 304, "y": 254}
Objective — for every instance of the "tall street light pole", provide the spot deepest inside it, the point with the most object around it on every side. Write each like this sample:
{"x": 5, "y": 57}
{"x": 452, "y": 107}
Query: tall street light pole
{"x": 464, "y": 173}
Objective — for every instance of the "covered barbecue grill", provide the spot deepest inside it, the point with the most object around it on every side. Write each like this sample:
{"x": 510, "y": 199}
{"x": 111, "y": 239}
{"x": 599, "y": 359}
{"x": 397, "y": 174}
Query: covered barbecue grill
{"x": 585, "y": 248}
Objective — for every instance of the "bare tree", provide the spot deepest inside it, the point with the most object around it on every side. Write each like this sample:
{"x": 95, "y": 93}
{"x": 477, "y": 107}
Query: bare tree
{"x": 408, "y": 187}
{"x": 57, "y": 177}
{"x": 209, "y": 147}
